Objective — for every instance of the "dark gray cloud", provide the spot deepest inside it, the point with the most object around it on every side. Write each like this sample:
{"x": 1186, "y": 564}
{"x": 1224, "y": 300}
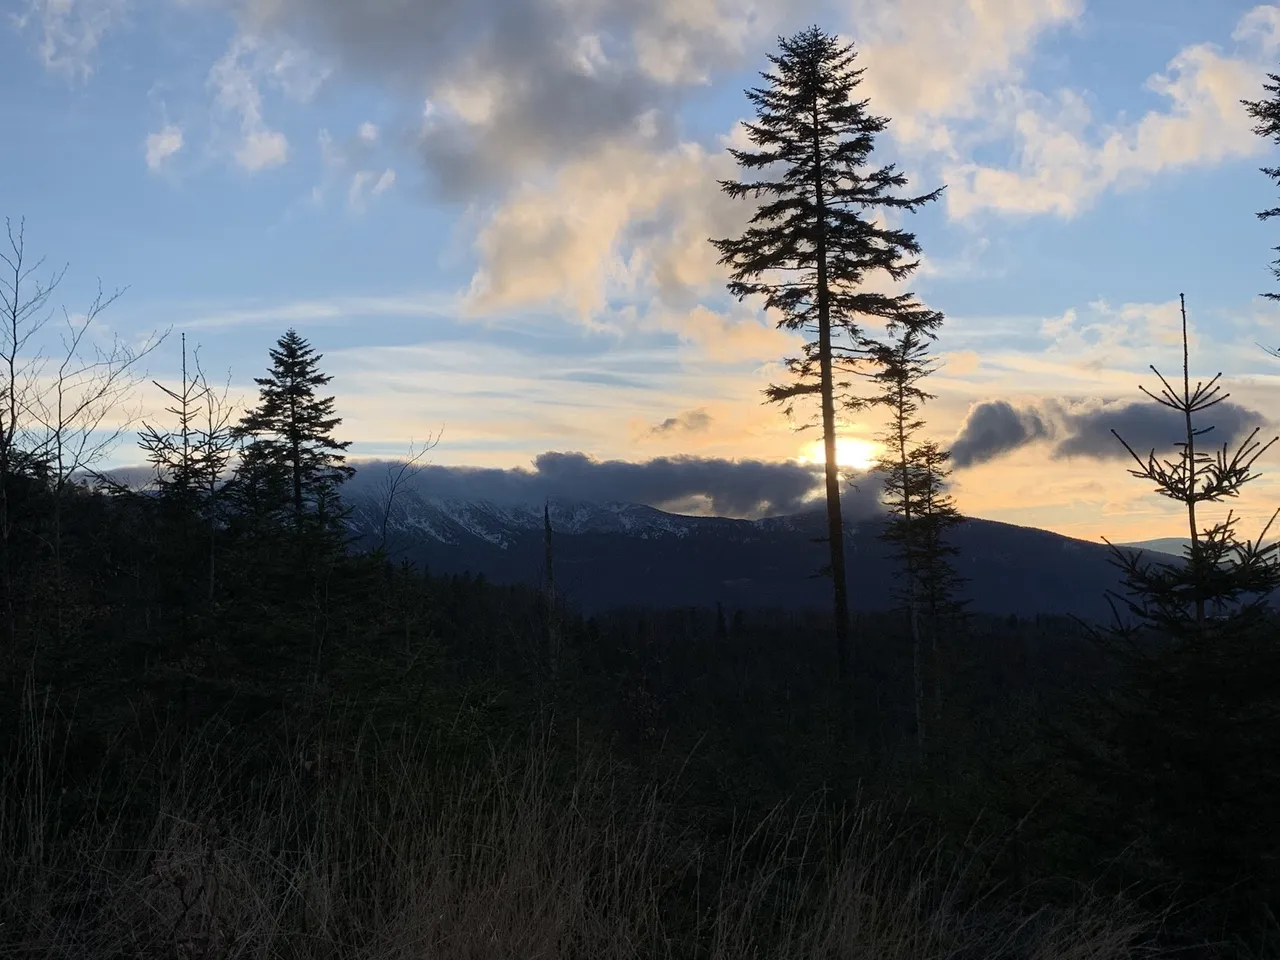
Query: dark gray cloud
{"x": 548, "y": 78}
{"x": 1146, "y": 426}
{"x": 1082, "y": 428}
{"x": 731, "y": 488}
{"x": 682, "y": 484}
{"x": 691, "y": 421}
{"x": 994, "y": 428}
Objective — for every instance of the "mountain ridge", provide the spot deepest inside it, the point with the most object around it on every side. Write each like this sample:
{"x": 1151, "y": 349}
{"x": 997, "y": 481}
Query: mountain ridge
{"x": 617, "y": 554}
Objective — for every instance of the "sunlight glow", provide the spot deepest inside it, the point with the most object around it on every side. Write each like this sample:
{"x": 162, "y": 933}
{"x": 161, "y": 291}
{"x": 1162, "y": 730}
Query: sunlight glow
{"x": 851, "y": 452}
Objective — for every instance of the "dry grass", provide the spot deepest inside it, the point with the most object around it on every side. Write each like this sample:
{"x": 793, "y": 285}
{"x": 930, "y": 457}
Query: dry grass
{"x": 386, "y": 852}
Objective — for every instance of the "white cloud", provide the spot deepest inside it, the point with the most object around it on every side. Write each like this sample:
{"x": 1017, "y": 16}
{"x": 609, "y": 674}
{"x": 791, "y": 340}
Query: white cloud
{"x": 930, "y": 62}
{"x": 261, "y": 149}
{"x": 1065, "y": 160}
{"x": 634, "y": 212}
{"x": 70, "y": 31}
{"x": 1115, "y": 337}
{"x": 624, "y": 217}
{"x": 237, "y": 79}
{"x": 631, "y": 220}
{"x": 673, "y": 43}
{"x": 162, "y": 145}
{"x": 368, "y": 131}
{"x": 1260, "y": 26}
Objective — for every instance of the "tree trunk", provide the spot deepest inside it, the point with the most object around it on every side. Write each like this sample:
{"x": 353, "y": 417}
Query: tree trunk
{"x": 835, "y": 519}
{"x": 909, "y": 547}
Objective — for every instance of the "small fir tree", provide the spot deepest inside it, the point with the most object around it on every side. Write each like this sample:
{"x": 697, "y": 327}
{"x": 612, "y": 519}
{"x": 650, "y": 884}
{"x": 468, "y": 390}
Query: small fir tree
{"x": 1184, "y": 748}
{"x": 914, "y": 475}
{"x": 811, "y": 246}
{"x": 191, "y": 459}
{"x": 901, "y": 365}
{"x": 288, "y": 450}
{"x": 939, "y": 583}
{"x": 937, "y": 515}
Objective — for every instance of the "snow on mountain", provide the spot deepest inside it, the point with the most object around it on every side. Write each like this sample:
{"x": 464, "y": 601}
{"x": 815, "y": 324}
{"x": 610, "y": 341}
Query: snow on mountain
{"x": 451, "y": 520}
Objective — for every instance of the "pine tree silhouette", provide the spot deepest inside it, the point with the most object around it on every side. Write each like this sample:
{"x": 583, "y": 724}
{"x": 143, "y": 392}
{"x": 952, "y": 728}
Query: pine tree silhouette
{"x": 914, "y": 476}
{"x": 288, "y": 447}
{"x": 1267, "y": 114}
{"x": 810, "y": 247}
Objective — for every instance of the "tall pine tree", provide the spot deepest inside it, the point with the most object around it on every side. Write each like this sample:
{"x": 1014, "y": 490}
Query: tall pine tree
{"x": 288, "y": 449}
{"x": 1266, "y": 113}
{"x": 810, "y": 247}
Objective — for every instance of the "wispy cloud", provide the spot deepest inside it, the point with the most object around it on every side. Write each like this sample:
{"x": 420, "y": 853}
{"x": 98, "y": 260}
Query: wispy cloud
{"x": 70, "y": 31}
{"x": 335, "y": 310}
{"x": 353, "y": 161}
{"x": 237, "y": 79}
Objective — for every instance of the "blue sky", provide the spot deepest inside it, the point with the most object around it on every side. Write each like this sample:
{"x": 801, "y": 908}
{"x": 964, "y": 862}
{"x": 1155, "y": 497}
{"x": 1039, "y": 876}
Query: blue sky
{"x": 491, "y": 216}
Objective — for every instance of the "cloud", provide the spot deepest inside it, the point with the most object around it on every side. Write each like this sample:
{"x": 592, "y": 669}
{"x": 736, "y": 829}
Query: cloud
{"x": 691, "y": 421}
{"x": 631, "y": 216}
{"x": 734, "y": 488}
{"x": 237, "y": 79}
{"x": 992, "y": 429}
{"x": 1082, "y": 428}
{"x": 335, "y": 310}
{"x": 515, "y": 87}
{"x": 930, "y": 62}
{"x": 1109, "y": 337}
{"x": 354, "y": 161}
{"x": 1145, "y": 426}
{"x": 1065, "y": 159}
{"x": 696, "y": 485}
{"x": 162, "y": 145}
{"x": 366, "y": 184}
{"x": 70, "y": 31}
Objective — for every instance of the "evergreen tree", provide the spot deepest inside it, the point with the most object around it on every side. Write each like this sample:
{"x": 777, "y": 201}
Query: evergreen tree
{"x": 937, "y": 515}
{"x": 809, "y": 249}
{"x": 1267, "y": 114}
{"x": 938, "y": 582}
{"x": 902, "y": 364}
{"x": 1185, "y": 748}
{"x": 288, "y": 450}
{"x": 920, "y": 512}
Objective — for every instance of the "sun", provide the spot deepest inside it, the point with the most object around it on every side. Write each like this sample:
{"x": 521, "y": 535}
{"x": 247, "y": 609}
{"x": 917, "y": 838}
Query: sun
{"x": 851, "y": 452}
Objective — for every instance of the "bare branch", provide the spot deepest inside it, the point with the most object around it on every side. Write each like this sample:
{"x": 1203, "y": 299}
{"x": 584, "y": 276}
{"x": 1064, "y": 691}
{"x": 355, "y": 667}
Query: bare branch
{"x": 398, "y": 474}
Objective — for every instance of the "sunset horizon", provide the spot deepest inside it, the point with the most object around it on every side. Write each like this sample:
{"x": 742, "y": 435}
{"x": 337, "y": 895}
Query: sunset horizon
{"x": 473, "y": 262}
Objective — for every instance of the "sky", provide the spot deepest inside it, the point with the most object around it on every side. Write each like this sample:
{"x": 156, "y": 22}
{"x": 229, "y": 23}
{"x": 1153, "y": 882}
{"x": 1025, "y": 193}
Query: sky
{"x": 491, "y": 218}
